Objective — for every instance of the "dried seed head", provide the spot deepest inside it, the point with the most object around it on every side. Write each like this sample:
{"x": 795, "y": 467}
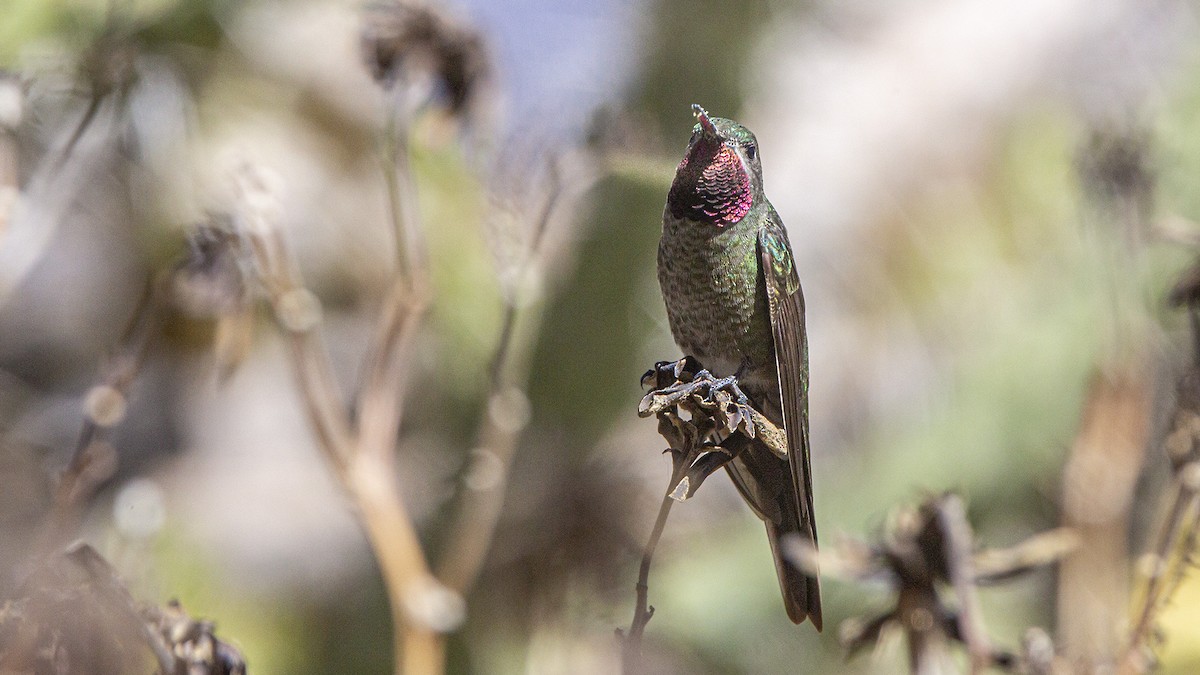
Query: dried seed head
{"x": 194, "y": 642}
{"x": 402, "y": 43}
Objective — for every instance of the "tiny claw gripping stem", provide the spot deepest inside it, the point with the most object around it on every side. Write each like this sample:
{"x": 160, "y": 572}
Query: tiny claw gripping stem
{"x": 677, "y": 381}
{"x": 664, "y": 373}
{"x": 653, "y": 377}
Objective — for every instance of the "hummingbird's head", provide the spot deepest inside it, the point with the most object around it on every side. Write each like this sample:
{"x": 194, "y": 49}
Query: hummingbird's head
{"x": 720, "y": 174}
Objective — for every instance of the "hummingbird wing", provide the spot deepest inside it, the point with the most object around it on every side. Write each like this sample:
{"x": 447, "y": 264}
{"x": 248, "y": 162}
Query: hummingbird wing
{"x": 786, "y": 302}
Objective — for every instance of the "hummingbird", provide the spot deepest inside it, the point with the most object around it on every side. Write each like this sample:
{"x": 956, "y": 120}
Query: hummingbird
{"x": 734, "y": 302}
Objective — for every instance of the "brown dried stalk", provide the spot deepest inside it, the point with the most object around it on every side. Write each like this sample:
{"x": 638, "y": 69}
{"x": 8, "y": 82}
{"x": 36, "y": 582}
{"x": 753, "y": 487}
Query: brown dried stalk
{"x": 687, "y": 444}
{"x": 362, "y": 450}
{"x": 643, "y": 611}
{"x": 396, "y": 41}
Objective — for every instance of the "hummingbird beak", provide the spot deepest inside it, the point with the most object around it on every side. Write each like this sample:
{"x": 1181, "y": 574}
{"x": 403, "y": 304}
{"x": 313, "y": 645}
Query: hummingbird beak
{"x": 702, "y": 117}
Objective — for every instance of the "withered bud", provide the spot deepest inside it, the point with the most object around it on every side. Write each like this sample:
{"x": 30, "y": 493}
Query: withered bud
{"x": 208, "y": 281}
{"x": 109, "y": 64}
{"x": 400, "y": 41}
{"x": 1117, "y": 162}
{"x": 1186, "y": 291}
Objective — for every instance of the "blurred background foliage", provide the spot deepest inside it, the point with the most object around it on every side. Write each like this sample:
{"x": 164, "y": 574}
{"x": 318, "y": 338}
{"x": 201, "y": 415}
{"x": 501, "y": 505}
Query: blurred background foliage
{"x": 963, "y": 283}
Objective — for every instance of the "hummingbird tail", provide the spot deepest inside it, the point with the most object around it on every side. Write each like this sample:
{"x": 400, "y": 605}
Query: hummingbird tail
{"x": 801, "y": 593}
{"x": 765, "y": 481}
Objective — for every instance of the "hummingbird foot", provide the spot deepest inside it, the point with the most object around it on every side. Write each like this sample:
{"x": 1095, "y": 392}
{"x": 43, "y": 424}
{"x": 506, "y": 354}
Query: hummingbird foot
{"x": 703, "y": 387}
{"x": 687, "y": 384}
{"x": 664, "y": 373}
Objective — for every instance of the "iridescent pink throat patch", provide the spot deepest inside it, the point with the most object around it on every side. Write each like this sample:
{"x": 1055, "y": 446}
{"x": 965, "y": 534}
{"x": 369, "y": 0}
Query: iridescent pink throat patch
{"x": 711, "y": 186}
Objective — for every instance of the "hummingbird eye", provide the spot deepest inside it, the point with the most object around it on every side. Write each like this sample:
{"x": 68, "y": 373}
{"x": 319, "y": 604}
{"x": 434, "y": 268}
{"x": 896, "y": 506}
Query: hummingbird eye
{"x": 751, "y": 151}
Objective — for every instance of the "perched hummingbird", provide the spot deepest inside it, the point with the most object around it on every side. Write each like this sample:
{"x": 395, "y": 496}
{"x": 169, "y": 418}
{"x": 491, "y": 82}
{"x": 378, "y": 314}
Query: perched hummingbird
{"x": 734, "y": 302}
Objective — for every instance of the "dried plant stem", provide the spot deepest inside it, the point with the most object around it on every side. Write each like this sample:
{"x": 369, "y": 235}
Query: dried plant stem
{"x": 362, "y": 451}
{"x": 961, "y": 569}
{"x": 411, "y": 256}
{"x": 363, "y": 460}
{"x": 401, "y": 562}
{"x": 80, "y": 478}
{"x": 310, "y": 361}
{"x": 928, "y": 648}
{"x": 381, "y": 398}
{"x": 478, "y": 515}
{"x": 631, "y": 648}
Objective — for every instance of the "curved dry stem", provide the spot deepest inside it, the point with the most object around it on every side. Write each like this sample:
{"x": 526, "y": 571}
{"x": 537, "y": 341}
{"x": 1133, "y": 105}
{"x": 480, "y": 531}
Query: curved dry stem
{"x": 631, "y": 651}
{"x": 960, "y": 566}
{"x": 412, "y": 259}
{"x": 80, "y": 478}
{"x": 631, "y": 642}
{"x": 381, "y": 398}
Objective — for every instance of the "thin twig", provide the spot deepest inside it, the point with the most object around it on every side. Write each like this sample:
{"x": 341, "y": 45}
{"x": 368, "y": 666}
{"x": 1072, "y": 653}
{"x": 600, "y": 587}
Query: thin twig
{"x": 631, "y": 647}
{"x": 380, "y": 399}
{"x": 960, "y": 567}
{"x": 310, "y": 356}
{"x": 105, "y": 407}
{"x": 411, "y": 255}
{"x": 412, "y": 591}
{"x": 926, "y": 635}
